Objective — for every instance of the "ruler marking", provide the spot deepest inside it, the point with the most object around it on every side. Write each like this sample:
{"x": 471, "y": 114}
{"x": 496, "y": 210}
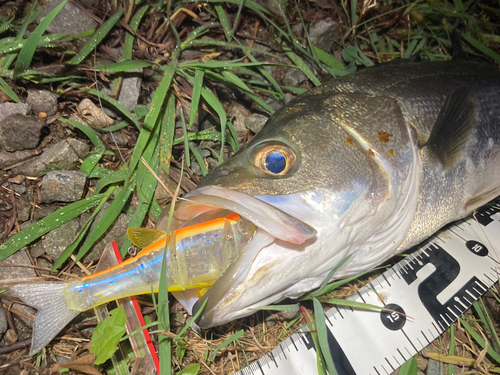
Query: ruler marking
{"x": 486, "y": 275}
{"x": 260, "y": 368}
{"x": 342, "y": 316}
{"x": 401, "y": 354}
{"x": 385, "y": 278}
{"x": 404, "y": 333}
{"x": 426, "y": 339}
{"x": 293, "y": 342}
{"x": 437, "y": 330}
{"x": 383, "y": 368}
{"x": 376, "y": 370}
{"x": 274, "y": 359}
{"x": 284, "y": 354}
{"x": 360, "y": 296}
{"x": 420, "y": 342}
{"x": 392, "y": 367}
{"x": 328, "y": 319}
{"x": 399, "y": 364}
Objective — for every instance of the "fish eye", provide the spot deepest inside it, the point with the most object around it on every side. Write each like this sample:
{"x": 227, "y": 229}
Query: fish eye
{"x": 275, "y": 160}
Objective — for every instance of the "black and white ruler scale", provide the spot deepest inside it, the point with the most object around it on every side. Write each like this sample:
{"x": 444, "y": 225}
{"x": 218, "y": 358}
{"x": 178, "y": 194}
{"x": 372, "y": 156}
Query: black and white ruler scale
{"x": 433, "y": 287}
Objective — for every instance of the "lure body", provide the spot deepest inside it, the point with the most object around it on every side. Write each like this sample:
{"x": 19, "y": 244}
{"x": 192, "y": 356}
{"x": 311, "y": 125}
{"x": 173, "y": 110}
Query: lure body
{"x": 196, "y": 256}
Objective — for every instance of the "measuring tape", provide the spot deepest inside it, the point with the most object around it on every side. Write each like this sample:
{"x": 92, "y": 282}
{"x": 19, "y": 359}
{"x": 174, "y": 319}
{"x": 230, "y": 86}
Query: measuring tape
{"x": 433, "y": 286}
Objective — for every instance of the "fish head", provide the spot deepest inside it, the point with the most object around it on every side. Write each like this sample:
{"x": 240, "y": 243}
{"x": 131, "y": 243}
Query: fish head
{"x": 310, "y": 184}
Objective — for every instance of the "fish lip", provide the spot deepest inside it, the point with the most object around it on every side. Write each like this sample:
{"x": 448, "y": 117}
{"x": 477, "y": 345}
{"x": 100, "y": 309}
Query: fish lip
{"x": 264, "y": 215}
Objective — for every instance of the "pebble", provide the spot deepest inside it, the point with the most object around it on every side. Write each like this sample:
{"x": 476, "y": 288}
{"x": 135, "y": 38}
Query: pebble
{"x": 8, "y": 159}
{"x": 237, "y": 114}
{"x": 293, "y": 77}
{"x": 63, "y": 186}
{"x": 255, "y": 122}
{"x": 61, "y": 156}
{"x": 57, "y": 240}
{"x": 20, "y": 132}
{"x": 42, "y": 101}
{"x": 324, "y": 33}
{"x": 3, "y": 321}
{"x": 71, "y": 19}
{"x": 18, "y": 258}
{"x": 23, "y": 209}
{"x": 8, "y": 108}
{"x": 117, "y": 232}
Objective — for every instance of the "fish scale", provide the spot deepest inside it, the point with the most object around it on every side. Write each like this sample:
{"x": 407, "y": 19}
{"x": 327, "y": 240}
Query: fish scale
{"x": 432, "y": 286}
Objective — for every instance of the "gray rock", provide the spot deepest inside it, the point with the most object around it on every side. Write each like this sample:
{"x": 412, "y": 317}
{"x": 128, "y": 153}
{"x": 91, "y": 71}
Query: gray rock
{"x": 71, "y": 19}
{"x": 57, "y": 240}
{"x": 129, "y": 91}
{"x": 255, "y": 122}
{"x": 293, "y": 77}
{"x": 23, "y": 209}
{"x": 196, "y": 169}
{"x": 18, "y": 258}
{"x": 61, "y": 156}
{"x": 212, "y": 163}
{"x": 20, "y": 132}
{"x": 37, "y": 250}
{"x": 324, "y": 33}
{"x": 3, "y": 321}
{"x": 7, "y": 159}
{"x": 435, "y": 368}
{"x": 42, "y": 101}
{"x": 42, "y": 211}
{"x": 63, "y": 186}
{"x": 237, "y": 114}
{"x": 19, "y": 188}
{"x": 116, "y": 232}
{"x": 7, "y": 109}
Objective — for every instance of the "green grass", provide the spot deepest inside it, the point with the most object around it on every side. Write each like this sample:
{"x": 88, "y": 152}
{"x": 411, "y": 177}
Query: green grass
{"x": 130, "y": 187}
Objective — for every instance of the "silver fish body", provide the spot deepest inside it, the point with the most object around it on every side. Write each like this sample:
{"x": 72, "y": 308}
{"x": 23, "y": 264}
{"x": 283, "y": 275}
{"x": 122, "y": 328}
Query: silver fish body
{"x": 375, "y": 162}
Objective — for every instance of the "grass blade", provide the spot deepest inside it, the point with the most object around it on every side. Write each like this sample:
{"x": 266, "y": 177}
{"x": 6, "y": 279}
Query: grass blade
{"x": 481, "y": 47}
{"x": 167, "y": 133}
{"x": 195, "y": 97}
{"x": 323, "y": 286}
{"x": 234, "y": 337}
{"x": 213, "y": 102}
{"x": 319, "y": 317}
{"x": 117, "y": 105}
{"x": 410, "y": 367}
{"x": 8, "y": 91}
{"x": 96, "y": 38}
{"x": 28, "y": 51}
{"x": 128, "y": 45}
{"x": 199, "y": 160}
{"x": 124, "y": 66}
{"x": 45, "y": 225}
{"x": 477, "y": 337}
{"x": 71, "y": 248}
{"x": 107, "y": 219}
{"x": 224, "y": 22}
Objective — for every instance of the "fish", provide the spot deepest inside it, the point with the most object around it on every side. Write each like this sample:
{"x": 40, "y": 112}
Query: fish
{"x": 365, "y": 166}
{"x": 196, "y": 256}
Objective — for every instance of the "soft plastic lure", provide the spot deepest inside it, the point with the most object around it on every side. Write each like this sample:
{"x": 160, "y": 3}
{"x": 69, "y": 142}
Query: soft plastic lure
{"x": 196, "y": 257}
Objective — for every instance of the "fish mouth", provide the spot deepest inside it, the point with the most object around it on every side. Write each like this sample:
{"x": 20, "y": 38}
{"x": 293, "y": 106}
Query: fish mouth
{"x": 272, "y": 224}
{"x": 210, "y": 202}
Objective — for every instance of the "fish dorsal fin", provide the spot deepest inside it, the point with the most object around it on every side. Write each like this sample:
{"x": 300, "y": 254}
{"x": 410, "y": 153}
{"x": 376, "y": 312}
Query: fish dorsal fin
{"x": 143, "y": 237}
{"x": 454, "y": 127}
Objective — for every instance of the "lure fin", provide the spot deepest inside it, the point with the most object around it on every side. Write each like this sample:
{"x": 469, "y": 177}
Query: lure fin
{"x": 143, "y": 237}
{"x": 454, "y": 127}
{"x": 187, "y": 298}
{"x": 53, "y": 313}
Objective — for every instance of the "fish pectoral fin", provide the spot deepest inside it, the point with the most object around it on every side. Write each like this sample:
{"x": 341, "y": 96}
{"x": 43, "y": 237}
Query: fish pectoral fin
{"x": 143, "y": 237}
{"x": 454, "y": 127}
{"x": 482, "y": 199}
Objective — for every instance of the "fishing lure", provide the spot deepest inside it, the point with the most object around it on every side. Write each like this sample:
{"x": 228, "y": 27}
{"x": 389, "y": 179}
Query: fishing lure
{"x": 196, "y": 256}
